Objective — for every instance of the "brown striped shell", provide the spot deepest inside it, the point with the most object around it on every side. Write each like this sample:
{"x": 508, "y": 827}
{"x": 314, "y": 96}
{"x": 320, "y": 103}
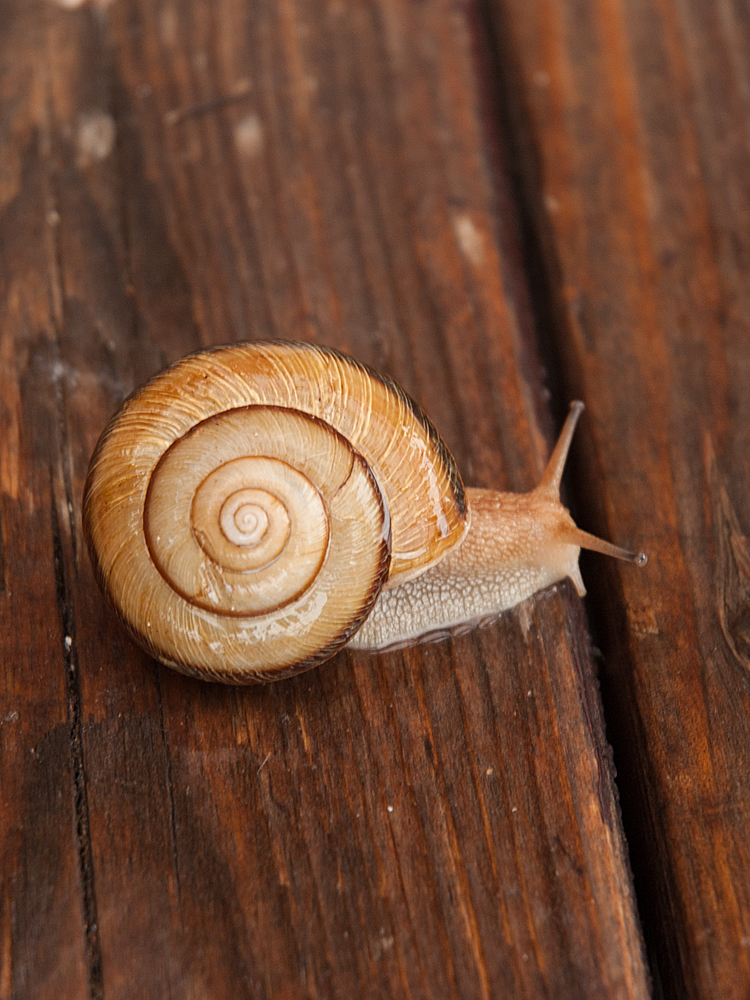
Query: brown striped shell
{"x": 244, "y": 509}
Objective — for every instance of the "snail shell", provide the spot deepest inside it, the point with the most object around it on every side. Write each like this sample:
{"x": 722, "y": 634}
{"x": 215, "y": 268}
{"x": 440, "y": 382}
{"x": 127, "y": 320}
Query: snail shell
{"x": 244, "y": 509}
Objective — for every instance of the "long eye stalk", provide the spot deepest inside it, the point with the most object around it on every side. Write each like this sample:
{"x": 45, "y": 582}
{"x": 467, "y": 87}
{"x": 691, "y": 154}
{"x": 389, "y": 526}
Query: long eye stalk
{"x": 550, "y": 485}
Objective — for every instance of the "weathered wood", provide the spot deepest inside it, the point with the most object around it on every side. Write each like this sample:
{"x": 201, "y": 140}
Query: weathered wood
{"x": 438, "y": 822}
{"x": 633, "y": 145}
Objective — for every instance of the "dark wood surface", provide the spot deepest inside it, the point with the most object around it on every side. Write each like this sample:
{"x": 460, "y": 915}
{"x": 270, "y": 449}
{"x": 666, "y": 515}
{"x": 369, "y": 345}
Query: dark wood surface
{"x": 502, "y": 205}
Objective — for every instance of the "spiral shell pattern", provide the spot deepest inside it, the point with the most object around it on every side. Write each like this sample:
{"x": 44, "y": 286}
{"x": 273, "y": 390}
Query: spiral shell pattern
{"x": 239, "y": 513}
{"x": 243, "y": 533}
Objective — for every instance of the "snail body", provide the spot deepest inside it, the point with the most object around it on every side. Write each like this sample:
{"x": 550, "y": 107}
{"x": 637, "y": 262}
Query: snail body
{"x": 253, "y": 508}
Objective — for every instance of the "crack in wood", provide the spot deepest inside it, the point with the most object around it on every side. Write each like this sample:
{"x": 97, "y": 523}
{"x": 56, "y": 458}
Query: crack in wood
{"x": 63, "y": 595}
{"x": 238, "y": 93}
{"x": 170, "y": 790}
{"x": 77, "y": 767}
{"x": 732, "y": 563}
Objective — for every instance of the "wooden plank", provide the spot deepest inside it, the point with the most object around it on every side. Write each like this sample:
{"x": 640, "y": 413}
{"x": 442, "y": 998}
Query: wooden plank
{"x": 436, "y": 822}
{"x": 632, "y": 136}
{"x": 47, "y": 914}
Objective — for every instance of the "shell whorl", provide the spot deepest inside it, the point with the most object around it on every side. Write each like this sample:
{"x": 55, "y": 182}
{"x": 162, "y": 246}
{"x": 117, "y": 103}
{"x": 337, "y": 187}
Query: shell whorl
{"x": 244, "y": 509}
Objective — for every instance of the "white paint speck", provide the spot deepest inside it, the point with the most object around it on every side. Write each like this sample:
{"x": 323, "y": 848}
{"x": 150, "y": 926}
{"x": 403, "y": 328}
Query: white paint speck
{"x": 390, "y": 809}
{"x": 514, "y": 809}
{"x": 489, "y": 771}
{"x": 68, "y": 642}
{"x": 525, "y": 617}
{"x": 470, "y": 240}
{"x": 168, "y": 25}
{"x": 95, "y": 137}
{"x": 248, "y": 136}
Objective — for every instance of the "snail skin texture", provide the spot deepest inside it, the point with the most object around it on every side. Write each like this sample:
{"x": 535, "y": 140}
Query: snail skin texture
{"x": 253, "y": 508}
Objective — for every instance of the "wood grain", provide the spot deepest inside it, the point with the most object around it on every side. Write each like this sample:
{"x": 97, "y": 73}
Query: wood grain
{"x": 633, "y": 155}
{"x": 437, "y": 822}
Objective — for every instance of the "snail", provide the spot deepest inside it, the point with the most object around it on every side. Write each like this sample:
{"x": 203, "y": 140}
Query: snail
{"x": 253, "y": 508}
